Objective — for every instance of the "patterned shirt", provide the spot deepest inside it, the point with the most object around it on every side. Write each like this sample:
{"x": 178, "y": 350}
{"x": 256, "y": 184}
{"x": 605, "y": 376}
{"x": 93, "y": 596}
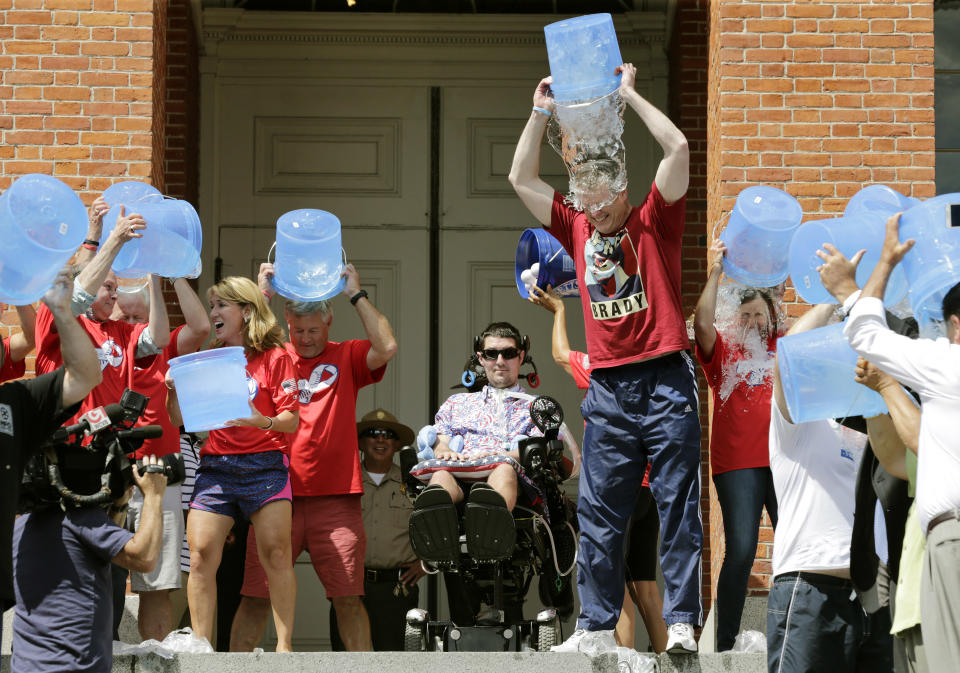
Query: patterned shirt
{"x": 488, "y": 420}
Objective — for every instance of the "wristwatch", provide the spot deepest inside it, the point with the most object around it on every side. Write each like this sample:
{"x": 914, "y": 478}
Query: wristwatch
{"x": 355, "y": 298}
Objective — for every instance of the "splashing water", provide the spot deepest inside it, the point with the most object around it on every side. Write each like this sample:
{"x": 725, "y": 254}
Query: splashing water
{"x": 587, "y": 136}
{"x": 753, "y": 363}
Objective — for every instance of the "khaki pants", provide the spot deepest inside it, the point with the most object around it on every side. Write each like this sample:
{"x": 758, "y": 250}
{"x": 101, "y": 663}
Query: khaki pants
{"x": 940, "y": 598}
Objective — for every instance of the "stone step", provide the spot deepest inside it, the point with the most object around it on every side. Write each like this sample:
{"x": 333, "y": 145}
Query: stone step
{"x": 421, "y": 662}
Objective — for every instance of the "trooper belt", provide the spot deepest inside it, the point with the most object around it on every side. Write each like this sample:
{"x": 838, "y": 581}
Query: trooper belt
{"x": 382, "y": 574}
{"x": 949, "y": 515}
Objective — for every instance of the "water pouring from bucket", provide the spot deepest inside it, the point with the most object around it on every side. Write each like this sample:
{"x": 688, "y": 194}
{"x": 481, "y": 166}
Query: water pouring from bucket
{"x": 42, "y": 223}
{"x": 310, "y": 257}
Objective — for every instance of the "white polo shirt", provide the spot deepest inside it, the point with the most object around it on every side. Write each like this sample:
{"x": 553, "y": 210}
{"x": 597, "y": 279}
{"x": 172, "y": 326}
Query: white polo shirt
{"x": 932, "y": 369}
{"x": 814, "y": 468}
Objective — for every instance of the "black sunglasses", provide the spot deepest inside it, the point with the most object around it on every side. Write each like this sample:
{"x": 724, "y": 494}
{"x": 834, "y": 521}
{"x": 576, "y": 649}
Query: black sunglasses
{"x": 379, "y": 432}
{"x": 494, "y": 353}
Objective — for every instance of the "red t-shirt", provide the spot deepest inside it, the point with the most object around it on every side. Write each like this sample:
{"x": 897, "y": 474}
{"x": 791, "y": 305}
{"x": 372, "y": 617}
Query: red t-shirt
{"x": 114, "y": 342}
{"x": 148, "y": 375}
{"x": 741, "y": 423}
{"x": 630, "y": 289}
{"x": 325, "y": 459}
{"x": 273, "y": 389}
{"x": 11, "y": 370}
{"x": 580, "y": 364}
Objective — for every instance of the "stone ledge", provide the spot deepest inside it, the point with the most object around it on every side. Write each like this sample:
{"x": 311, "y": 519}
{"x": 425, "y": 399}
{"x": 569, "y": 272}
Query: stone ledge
{"x": 417, "y": 662}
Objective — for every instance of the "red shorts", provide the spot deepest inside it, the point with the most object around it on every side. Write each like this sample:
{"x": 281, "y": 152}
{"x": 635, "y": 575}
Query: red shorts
{"x": 330, "y": 528}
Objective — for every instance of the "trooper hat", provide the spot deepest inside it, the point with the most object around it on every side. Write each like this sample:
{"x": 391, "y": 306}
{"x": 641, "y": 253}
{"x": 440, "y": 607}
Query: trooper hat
{"x": 379, "y": 418}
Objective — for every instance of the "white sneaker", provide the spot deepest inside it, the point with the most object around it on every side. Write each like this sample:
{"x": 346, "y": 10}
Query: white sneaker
{"x": 590, "y": 643}
{"x": 680, "y": 639}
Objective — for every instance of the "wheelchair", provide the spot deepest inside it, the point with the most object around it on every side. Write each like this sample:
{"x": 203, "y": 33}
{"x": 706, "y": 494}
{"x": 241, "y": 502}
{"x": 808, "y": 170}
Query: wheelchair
{"x": 500, "y": 563}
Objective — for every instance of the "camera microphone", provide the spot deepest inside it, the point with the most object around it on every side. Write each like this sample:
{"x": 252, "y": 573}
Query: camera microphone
{"x": 143, "y": 432}
{"x": 93, "y": 421}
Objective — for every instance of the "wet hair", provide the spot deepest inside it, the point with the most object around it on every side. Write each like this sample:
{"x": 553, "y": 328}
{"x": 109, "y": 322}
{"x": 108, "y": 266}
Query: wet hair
{"x": 751, "y": 293}
{"x": 503, "y": 330}
{"x": 597, "y": 174}
{"x": 141, "y": 292}
{"x": 301, "y": 308}
{"x": 951, "y": 302}
{"x": 261, "y": 332}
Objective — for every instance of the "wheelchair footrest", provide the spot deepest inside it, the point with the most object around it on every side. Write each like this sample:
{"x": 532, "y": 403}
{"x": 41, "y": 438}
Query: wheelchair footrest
{"x": 435, "y": 527}
{"x": 491, "y": 531}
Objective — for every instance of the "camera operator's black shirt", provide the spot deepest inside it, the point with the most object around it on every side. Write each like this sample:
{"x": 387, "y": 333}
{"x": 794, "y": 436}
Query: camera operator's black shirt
{"x": 30, "y": 410}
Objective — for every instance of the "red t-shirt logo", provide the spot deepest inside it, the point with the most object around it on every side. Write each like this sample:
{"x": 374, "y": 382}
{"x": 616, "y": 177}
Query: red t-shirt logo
{"x": 321, "y": 378}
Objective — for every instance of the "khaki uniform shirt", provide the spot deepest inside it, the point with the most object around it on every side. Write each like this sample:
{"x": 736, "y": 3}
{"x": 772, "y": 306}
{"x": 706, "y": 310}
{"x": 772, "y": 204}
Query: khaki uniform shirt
{"x": 386, "y": 521}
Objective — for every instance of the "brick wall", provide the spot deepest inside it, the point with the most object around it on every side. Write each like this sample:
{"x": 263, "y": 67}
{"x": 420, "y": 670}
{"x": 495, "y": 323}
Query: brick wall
{"x": 181, "y": 116}
{"x": 819, "y": 99}
{"x": 689, "y": 55}
{"x": 77, "y": 92}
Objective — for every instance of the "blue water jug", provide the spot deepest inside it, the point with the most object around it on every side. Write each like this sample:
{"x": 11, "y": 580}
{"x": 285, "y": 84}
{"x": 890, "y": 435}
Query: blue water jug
{"x": 170, "y": 245}
{"x": 758, "y": 236}
{"x": 848, "y": 234}
{"x": 932, "y": 266}
{"x": 211, "y": 387}
{"x": 310, "y": 256}
{"x": 556, "y": 267}
{"x": 583, "y": 53}
{"x": 817, "y": 371}
{"x": 42, "y": 223}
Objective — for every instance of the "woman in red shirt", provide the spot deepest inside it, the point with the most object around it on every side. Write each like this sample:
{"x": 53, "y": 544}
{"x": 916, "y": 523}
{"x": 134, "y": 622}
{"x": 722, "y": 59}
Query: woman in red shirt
{"x": 244, "y": 467}
{"x": 737, "y": 364}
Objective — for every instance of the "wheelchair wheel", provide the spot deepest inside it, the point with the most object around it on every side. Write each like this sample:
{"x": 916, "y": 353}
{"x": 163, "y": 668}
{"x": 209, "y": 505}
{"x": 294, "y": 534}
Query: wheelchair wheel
{"x": 548, "y": 635}
{"x": 415, "y": 638}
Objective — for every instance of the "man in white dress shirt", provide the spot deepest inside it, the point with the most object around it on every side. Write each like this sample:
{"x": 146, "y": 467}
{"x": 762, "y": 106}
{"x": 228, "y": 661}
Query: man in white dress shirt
{"x": 932, "y": 369}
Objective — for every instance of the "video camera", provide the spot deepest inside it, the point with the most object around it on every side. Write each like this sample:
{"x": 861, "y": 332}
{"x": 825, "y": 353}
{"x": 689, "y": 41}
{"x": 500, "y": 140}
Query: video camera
{"x": 88, "y": 463}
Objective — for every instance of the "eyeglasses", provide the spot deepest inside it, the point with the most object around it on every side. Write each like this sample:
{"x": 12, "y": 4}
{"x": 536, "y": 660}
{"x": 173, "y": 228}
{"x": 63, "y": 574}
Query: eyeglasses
{"x": 379, "y": 432}
{"x": 493, "y": 353}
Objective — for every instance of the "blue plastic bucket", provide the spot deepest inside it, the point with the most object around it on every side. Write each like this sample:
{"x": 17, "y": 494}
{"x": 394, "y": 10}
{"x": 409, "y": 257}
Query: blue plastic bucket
{"x": 758, "y": 236}
{"x": 171, "y": 243}
{"x": 128, "y": 191}
{"x": 848, "y": 234}
{"x": 310, "y": 256}
{"x": 817, "y": 371}
{"x": 932, "y": 266}
{"x": 878, "y": 201}
{"x": 211, "y": 387}
{"x": 42, "y": 223}
{"x": 537, "y": 246}
{"x": 583, "y": 53}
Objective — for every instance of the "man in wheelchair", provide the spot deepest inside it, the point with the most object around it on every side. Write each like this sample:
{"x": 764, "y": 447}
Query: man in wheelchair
{"x": 496, "y": 466}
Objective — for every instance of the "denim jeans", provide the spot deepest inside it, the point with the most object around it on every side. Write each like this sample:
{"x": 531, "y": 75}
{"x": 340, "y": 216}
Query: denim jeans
{"x": 742, "y": 495}
{"x": 815, "y": 623}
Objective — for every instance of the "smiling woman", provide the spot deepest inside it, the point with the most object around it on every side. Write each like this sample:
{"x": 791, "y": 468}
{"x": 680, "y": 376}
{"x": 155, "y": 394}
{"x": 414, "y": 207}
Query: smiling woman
{"x": 244, "y": 467}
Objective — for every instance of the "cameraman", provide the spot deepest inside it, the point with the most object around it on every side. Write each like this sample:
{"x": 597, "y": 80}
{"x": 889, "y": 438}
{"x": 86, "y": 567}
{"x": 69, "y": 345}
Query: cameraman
{"x": 62, "y": 576}
{"x": 30, "y": 410}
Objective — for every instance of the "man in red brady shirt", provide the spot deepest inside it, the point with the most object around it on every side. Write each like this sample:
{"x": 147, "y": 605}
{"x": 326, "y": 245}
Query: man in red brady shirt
{"x": 644, "y": 532}
{"x": 642, "y": 401}
{"x": 155, "y": 612}
{"x": 325, "y": 470}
